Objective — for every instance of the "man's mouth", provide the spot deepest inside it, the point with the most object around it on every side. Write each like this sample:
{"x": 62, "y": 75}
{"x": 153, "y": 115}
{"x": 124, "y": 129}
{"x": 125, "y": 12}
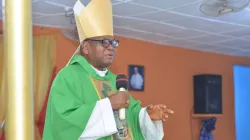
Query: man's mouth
{"x": 110, "y": 55}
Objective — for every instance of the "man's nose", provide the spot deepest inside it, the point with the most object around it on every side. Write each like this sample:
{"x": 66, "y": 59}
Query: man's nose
{"x": 111, "y": 48}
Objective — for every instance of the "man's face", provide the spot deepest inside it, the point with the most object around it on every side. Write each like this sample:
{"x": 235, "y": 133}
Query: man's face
{"x": 135, "y": 70}
{"x": 100, "y": 51}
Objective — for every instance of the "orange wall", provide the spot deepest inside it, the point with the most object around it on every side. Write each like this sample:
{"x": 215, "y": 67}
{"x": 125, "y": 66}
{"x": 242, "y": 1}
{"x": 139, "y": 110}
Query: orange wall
{"x": 168, "y": 75}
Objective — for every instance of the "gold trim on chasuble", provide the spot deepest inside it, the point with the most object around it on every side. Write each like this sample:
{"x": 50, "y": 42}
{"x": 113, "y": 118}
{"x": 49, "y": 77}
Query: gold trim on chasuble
{"x": 103, "y": 90}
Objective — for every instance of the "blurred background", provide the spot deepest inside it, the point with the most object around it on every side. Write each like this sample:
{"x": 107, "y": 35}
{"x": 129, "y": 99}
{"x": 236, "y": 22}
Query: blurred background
{"x": 174, "y": 40}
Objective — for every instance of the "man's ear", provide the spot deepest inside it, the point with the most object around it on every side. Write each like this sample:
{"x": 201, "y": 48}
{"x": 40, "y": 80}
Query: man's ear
{"x": 84, "y": 47}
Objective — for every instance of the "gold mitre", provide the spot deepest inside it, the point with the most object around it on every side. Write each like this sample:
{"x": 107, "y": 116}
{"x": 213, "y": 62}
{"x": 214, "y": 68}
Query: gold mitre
{"x": 94, "y": 20}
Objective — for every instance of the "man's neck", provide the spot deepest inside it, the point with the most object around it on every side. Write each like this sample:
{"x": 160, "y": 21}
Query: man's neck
{"x": 102, "y": 72}
{"x": 100, "y": 68}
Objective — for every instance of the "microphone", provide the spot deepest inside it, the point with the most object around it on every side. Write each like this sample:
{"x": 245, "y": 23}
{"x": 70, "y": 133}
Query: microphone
{"x": 122, "y": 86}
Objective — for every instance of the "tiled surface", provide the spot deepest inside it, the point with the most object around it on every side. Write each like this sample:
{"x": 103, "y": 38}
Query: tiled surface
{"x": 170, "y": 22}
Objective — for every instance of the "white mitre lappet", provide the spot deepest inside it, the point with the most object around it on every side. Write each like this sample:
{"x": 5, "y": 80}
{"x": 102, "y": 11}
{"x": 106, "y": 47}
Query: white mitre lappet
{"x": 96, "y": 19}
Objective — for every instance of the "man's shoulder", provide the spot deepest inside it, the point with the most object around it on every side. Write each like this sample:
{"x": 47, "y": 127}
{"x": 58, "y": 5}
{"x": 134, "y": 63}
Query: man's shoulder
{"x": 66, "y": 70}
{"x": 69, "y": 71}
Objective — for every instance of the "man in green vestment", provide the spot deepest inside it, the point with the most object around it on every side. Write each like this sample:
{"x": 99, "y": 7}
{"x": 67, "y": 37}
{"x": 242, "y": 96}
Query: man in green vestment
{"x": 83, "y": 102}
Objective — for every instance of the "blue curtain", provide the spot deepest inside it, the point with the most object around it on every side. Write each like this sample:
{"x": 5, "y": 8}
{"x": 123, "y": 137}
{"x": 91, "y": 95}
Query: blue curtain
{"x": 241, "y": 101}
{"x": 208, "y": 125}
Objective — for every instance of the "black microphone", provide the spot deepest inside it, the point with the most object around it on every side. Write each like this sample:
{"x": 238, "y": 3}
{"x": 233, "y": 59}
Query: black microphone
{"x": 122, "y": 86}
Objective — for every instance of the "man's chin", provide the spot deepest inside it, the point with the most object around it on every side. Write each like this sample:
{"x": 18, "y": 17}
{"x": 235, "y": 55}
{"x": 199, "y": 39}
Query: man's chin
{"x": 108, "y": 63}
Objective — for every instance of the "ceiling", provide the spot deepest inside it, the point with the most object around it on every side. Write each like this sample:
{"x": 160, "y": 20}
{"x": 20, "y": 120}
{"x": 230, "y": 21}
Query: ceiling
{"x": 169, "y": 22}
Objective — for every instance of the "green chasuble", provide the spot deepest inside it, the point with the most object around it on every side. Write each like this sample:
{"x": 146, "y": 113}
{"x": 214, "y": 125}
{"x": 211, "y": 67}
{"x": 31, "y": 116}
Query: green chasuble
{"x": 73, "y": 96}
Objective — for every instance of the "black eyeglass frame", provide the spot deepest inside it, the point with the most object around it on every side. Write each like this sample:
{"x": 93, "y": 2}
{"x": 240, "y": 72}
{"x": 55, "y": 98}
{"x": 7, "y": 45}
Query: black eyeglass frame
{"x": 105, "y": 42}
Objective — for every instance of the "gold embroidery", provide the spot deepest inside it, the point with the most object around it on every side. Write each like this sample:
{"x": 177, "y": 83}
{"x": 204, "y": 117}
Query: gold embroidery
{"x": 104, "y": 88}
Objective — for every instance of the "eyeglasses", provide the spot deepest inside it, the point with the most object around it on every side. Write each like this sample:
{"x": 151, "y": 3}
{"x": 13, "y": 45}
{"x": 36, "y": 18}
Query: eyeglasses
{"x": 106, "y": 42}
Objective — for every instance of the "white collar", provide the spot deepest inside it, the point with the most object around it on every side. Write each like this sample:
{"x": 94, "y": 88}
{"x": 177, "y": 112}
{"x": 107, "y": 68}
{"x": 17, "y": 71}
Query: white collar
{"x": 100, "y": 72}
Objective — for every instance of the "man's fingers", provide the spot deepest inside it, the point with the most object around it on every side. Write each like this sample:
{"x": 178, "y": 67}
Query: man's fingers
{"x": 166, "y": 110}
{"x": 163, "y": 106}
{"x": 169, "y": 111}
{"x": 165, "y": 118}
